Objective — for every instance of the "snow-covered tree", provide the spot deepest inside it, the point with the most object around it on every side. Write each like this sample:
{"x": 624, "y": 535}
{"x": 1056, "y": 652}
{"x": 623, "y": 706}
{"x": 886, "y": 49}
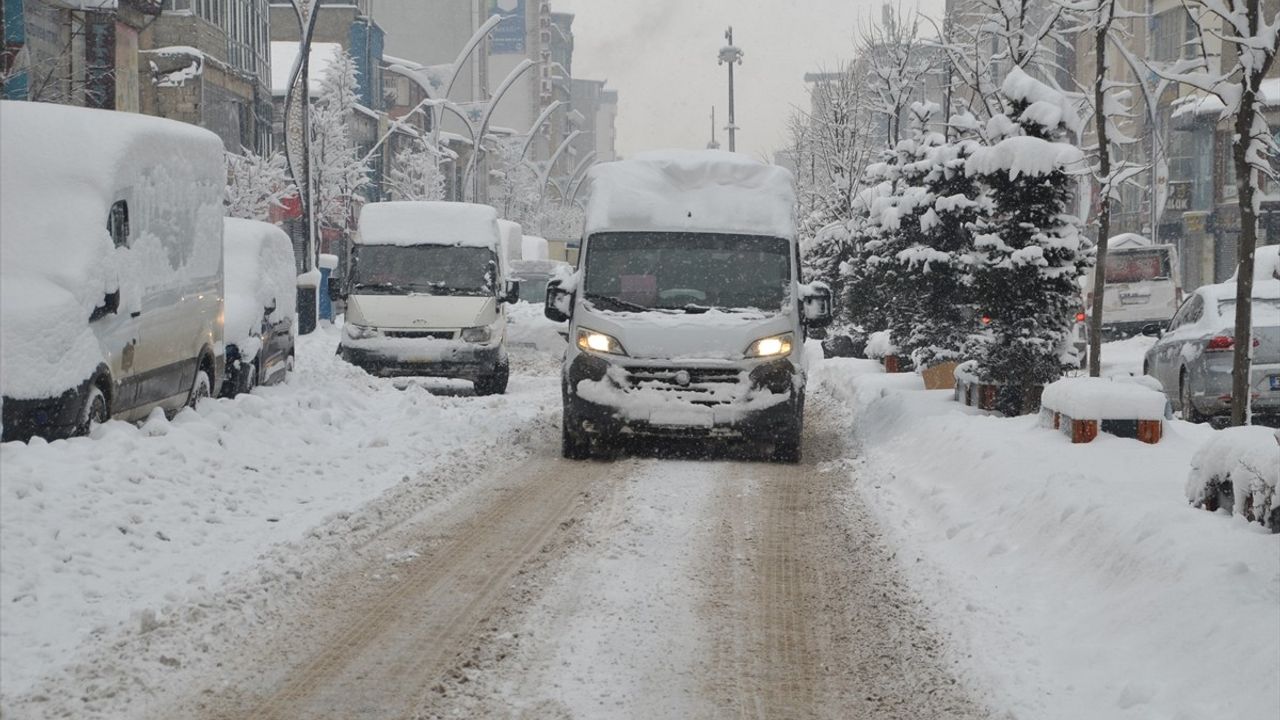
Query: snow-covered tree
{"x": 415, "y": 173}
{"x": 1029, "y": 251}
{"x": 872, "y": 268}
{"x": 1249, "y": 37}
{"x": 339, "y": 172}
{"x": 255, "y": 184}
{"x": 897, "y": 61}
{"x": 513, "y": 186}
{"x": 935, "y": 291}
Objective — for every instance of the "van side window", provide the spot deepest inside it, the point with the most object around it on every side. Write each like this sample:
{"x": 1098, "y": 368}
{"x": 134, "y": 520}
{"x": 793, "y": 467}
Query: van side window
{"x": 118, "y": 223}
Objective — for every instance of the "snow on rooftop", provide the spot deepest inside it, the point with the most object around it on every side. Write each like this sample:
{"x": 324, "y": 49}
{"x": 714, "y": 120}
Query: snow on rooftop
{"x": 691, "y": 191}
{"x": 429, "y": 223}
{"x": 283, "y": 54}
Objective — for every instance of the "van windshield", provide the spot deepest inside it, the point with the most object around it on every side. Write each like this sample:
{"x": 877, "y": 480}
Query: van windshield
{"x": 425, "y": 269}
{"x": 691, "y": 272}
{"x": 1137, "y": 266}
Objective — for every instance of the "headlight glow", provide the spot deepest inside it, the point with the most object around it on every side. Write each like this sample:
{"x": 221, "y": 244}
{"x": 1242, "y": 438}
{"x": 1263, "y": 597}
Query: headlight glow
{"x": 593, "y": 341}
{"x": 771, "y": 346}
{"x": 477, "y": 334}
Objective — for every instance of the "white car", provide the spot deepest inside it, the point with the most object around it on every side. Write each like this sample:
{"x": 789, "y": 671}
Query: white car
{"x": 687, "y": 317}
{"x": 426, "y": 294}
{"x": 1142, "y": 286}
{"x": 261, "y": 300}
{"x": 110, "y": 267}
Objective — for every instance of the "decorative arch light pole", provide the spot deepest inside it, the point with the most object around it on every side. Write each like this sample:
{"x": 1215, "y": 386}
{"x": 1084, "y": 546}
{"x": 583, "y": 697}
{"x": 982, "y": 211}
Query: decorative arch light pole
{"x": 297, "y": 125}
{"x": 579, "y": 176}
{"x": 731, "y": 55}
{"x": 469, "y": 177}
{"x": 545, "y": 175}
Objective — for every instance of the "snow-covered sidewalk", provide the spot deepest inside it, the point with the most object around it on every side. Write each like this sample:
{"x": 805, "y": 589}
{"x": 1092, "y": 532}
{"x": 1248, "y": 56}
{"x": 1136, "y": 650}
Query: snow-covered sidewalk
{"x": 118, "y": 529}
{"x": 1076, "y": 578}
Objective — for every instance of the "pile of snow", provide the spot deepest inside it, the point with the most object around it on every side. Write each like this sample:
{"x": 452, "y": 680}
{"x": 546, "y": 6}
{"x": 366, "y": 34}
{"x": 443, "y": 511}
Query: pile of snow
{"x": 1243, "y": 462}
{"x": 429, "y": 223}
{"x": 1266, "y": 265}
{"x": 285, "y": 52}
{"x": 880, "y": 344}
{"x": 137, "y": 526}
{"x": 1090, "y": 398}
{"x": 528, "y": 326}
{"x": 1073, "y": 579}
{"x": 1024, "y": 156}
{"x": 691, "y": 191}
{"x": 62, "y": 168}
{"x": 259, "y": 273}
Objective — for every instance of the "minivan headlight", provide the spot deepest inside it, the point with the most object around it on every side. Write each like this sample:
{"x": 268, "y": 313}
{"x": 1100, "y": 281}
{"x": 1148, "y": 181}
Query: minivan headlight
{"x": 773, "y": 346}
{"x": 477, "y": 334}
{"x": 361, "y": 332}
{"x": 593, "y": 341}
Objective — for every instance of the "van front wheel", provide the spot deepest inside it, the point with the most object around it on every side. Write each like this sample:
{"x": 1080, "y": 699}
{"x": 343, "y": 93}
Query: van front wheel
{"x": 95, "y": 410}
{"x": 496, "y": 382}
{"x": 200, "y": 389}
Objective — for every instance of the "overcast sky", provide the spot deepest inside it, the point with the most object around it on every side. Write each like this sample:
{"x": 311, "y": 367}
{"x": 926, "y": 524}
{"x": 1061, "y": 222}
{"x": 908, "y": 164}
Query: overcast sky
{"x": 660, "y": 55}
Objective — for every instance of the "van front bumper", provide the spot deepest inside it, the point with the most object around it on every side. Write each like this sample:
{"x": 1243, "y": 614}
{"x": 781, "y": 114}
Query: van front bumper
{"x": 670, "y": 400}
{"x": 50, "y": 418}
{"x": 438, "y": 358}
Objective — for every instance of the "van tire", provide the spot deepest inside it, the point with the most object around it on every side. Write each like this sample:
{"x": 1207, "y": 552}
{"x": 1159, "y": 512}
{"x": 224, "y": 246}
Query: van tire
{"x": 574, "y": 443}
{"x": 787, "y": 446}
{"x": 201, "y": 388}
{"x": 495, "y": 383}
{"x": 96, "y": 410}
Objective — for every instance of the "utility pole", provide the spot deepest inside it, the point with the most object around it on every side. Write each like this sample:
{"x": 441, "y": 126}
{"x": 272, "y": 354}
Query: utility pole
{"x": 714, "y": 144}
{"x": 731, "y": 55}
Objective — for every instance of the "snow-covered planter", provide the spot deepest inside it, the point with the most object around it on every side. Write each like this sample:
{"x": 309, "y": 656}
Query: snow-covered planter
{"x": 880, "y": 347}
{"x": 1084, "y": 406}
{"x": 1239, "y": 469}
{"x": 971, "y": 391}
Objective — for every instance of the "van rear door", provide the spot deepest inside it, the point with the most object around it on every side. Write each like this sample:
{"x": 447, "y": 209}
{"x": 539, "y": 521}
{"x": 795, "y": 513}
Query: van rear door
{"x": 1141, "y": 285}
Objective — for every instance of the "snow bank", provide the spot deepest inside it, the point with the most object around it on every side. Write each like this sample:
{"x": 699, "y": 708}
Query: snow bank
{"x": 1246, "y": 460}
{"x": 691, "y": 191}
{"x": 1089, "y": 398}
{"x": 1074, "y": 580}
{"x": 1023, "y": 155}
{"x": 259, "y": 273}
{"x": 429, "y": 223}
{"x": 138, "y": 526}
{"x": 61, "y": 169}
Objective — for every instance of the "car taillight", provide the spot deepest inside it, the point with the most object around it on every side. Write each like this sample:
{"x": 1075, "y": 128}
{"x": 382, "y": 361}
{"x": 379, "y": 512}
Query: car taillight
{"x": 1080, "y": 317}
{"x": 1220, "y": 343}
{"x": 986, "y": 320}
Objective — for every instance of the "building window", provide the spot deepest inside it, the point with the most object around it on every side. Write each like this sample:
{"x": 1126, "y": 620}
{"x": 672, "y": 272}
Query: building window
{"x": 1173, "y": 35}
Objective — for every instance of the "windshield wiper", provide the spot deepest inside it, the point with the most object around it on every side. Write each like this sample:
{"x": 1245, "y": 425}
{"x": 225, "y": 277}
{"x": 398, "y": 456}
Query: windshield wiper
{"x": 616, "y": 303}
{"x": 380, "y": 287}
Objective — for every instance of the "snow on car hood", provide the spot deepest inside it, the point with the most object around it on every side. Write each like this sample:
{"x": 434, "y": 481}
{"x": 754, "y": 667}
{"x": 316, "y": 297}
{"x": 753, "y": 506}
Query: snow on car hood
{"x": 420, "y": 312}
{"x": 714, "y": 335}
{"x": 46, "y": 343}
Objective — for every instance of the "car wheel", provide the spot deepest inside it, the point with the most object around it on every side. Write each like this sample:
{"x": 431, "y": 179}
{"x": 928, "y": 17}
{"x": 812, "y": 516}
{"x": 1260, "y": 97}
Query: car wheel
{"x": 200, "y": 389}
{"x": 495, "y": 383}
{"x": 574, "y": 443}
{"x": 1184, "y": 399}
{"x": 249, "y": 379}
{"x": 95, "y": 410}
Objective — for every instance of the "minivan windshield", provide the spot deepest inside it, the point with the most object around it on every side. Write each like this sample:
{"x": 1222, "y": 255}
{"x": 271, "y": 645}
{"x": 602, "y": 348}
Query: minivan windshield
{"x": 690, "y": 272}
{"x": 423, "y": 269}
{"x": 1132, "y": 266}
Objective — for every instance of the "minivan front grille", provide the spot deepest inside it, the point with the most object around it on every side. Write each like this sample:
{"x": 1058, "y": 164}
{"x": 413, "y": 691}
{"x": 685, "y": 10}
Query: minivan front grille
{"x": 420, "y": 334}
{"x": 702, "y": 386}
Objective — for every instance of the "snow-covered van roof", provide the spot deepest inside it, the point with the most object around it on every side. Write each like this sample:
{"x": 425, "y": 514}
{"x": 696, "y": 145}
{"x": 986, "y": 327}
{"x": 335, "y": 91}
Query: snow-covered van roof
{"x": 429, "y": 223}
{"x": 691, "y": 191}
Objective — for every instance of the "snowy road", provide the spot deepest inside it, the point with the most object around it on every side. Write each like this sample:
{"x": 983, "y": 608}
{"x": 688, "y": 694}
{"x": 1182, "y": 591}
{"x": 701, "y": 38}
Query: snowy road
{"x": 643, "y": 587}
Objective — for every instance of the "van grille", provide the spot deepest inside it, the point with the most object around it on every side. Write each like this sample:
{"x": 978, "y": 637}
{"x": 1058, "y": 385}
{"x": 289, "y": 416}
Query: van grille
{"x": 421, "y": 334}
{"x": 706, "y": 386}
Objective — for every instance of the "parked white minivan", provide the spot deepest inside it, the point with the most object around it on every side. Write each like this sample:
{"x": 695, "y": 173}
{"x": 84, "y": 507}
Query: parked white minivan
{"x": 687, "y": 316}
{"x": 110, "y": 267}
{"x": 426, "y": 292}
{"x": 1142, "y": 286}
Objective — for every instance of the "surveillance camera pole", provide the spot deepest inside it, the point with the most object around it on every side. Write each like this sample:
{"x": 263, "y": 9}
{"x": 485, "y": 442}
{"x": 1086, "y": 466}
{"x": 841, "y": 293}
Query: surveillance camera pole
{"x": 731, "y": 55}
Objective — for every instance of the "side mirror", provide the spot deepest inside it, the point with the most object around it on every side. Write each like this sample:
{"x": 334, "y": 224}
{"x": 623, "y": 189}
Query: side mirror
{"x": 816, "y": 305}
{"x": 559, "y": 303}
{"x": 510, "y": 292}
{"x": 110, "y": 306}
{"x": 1152, "y": 330}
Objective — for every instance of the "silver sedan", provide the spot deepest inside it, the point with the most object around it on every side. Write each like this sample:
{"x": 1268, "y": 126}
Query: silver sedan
{"x": 1192, "y": 360}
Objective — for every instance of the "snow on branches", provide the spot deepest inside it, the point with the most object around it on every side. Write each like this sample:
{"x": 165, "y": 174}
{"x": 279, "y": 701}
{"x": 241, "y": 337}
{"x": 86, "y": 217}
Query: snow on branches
{"x": 339, "y": 171}
{"x": 255, "y": 184}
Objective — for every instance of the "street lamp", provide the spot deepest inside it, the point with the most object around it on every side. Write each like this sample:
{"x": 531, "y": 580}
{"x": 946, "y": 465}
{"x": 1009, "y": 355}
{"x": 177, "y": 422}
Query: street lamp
{"x": 297, "y": 121}
{"x": 731, "y": 55}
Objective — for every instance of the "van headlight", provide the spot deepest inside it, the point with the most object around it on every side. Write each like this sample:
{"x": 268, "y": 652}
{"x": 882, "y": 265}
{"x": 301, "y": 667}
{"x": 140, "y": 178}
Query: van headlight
{"x": 477, "y": 334}
{"x": 774, "y": 346}
{"x": 361, "y": 332}
{"x": 598, "y": 342}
